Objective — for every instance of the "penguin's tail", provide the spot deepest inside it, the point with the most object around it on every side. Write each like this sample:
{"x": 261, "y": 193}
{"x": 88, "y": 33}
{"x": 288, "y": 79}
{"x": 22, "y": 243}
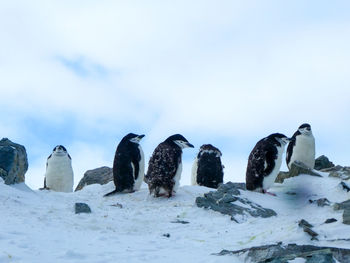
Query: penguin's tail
{"x": 112, "y": 193}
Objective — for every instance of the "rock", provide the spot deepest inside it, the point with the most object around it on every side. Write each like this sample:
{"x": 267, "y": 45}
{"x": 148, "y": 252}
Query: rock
{"x": 322, "y": 162}
{"x": 180, "y": 221}
{"x": 82, "y": 208}
{"x": 102, "y": 175}
{"x": 338, "y": 172}
{"x": 346, "y": 217}
{"x": 342, "y": 205}
{"x": 304, "y": 223}
{"x": 321, "y": 202}
{"x": 345, "y": 186}
{"x": 330, "y": 220}
{"x": 226, "y": 200}
{"x": 13, "y": 162}
{"x": 346, "y": 207}
{"x": 117, "y": 205}
{"x": 307, "y": 229}
{"x": 296, "y": 169}
{"x": 283, "y": 253}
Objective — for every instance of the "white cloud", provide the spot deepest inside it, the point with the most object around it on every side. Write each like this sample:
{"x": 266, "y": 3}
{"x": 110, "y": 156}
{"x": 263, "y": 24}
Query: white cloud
{"x": 206, "y": 69}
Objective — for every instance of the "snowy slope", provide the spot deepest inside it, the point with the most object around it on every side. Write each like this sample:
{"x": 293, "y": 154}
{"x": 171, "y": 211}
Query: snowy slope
{"x": 41, "y": 226}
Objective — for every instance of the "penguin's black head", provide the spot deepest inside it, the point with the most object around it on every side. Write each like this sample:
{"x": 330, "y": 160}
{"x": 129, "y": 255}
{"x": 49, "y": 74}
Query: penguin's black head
{"x": 279, "y": 139}
{"x": 208, "y": 148}
{"x": 305, "y": 129}
{"x": 134, "y": 138}
{"x": 59, "y": 150}
{"x": 179, "y": 140}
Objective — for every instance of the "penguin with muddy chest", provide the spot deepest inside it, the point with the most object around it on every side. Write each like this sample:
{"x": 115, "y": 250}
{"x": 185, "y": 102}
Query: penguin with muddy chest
{"x": 165, "y": 166}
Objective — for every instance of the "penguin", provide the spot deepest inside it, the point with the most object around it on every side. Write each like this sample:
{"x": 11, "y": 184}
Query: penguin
{"x": 165, "y": 166}
{"x": 265, "y": 162}
{"x": 207, "y": 169}
{"x": 302, "y": 147}
{"x": 59, "y": 172}
{"x": 128, "y": 165}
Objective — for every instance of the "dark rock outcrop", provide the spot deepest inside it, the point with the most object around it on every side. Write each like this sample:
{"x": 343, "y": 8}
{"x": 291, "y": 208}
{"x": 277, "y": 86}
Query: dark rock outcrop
{"x": 321, "y": 202}
{"x": 338, "y": 172}
{"x": 322, "y": 162}
{"x": 306, "y": 226}
{"x": 346, "y": 207}
{"x": 283, "y": 253}
{"x": 102, "y": 175}
{"x": 82, "y": 208}
{"x": 227, "y": 200}
{"x": 296, "y": 169}
{"x": 330, "y": 220}
{"x": 13, "y": 162}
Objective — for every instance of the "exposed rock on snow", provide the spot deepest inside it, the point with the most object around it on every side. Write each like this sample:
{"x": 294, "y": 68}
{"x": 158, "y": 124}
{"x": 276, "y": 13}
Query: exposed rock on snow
{"x": 307, "y": 229}
{"x": 330, "y": 220}
{"x": 296, "y": 169}
{"x": 321, "y": 202}
{"x": 322, "y": 162}
{"x": 346, "y": 207}
{"x": 345, "y": 186}
{"x": 102, "y": 175}
{"x": 342, "y": 172}
{"x": 227, "y": 200}
{"x": 13, "y": 162}
{"x": 82, "y": 208}
{"x": 180, "y": 221}
{"x": 283, "y": 253}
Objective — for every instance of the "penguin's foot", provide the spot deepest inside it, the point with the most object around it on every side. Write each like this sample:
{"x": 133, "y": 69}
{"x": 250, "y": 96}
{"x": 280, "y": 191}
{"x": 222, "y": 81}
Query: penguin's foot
{"x": 269, "y": 193}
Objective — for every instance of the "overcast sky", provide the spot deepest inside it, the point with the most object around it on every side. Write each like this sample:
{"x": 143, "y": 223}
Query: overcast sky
{"x": 85, "y": 73}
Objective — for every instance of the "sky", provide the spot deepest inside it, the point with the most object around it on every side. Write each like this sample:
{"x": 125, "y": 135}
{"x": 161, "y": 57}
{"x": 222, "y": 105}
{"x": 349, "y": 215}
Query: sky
{"x": 85, "y": 73}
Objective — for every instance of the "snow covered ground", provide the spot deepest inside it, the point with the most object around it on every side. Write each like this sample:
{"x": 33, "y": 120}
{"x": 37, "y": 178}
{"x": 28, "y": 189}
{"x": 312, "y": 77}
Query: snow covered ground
{"x": 41, "y": 226}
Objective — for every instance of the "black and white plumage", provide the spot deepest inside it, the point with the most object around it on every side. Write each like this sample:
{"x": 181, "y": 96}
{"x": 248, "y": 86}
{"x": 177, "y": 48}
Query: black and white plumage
{"x": 165, "y": 166}
{"x": 207, "y": 169}
{"x": 302, "y": 147}
{"x": 128, "y": 165}
{"x": 59, "y": 171}
{"x": 265, "y": 162}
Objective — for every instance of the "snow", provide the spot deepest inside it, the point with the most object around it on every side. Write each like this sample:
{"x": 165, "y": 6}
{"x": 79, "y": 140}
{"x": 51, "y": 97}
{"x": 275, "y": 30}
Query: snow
{"x": 41, "y": 226}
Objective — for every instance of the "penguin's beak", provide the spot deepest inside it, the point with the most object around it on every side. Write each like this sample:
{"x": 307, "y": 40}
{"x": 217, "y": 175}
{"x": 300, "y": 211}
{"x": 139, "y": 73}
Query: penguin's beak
{"x": 140, "y": 137}
{"x": 189, "y": 145}
{"x": 137, "y": 139}
{"x": 287, "y": 140}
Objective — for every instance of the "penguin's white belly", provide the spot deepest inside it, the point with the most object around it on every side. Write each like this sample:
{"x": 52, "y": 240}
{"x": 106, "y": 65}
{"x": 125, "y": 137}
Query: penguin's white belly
{"x": 270, "y": 179}
{"x": 59, "y": 174}
{"x": 194, "y": 172}
{"x": 304, "y": 150}
{"x": 177, "y": 177}
{"x": 138, "y": 181}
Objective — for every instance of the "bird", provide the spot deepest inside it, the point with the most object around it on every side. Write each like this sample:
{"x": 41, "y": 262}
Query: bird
{"x": 165, "y": 166}
{"x": 59, "y": 172}
{"x": 264, "y": 162}
{"x": 207, "y": 169}
{"x": 128, "y": 165}
{"x": 302, "y": 147}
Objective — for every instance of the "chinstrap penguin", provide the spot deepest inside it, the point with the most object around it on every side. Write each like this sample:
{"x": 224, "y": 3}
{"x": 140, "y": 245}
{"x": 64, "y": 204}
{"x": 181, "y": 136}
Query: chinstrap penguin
{"x": 128, "y": 165}
{"x": 165, "y": 166}
{"x": 302, "y": 147}
{"x": 207, "y": 169}
{"x": 265, "y": 162}
{"x": 59, "y": 171}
